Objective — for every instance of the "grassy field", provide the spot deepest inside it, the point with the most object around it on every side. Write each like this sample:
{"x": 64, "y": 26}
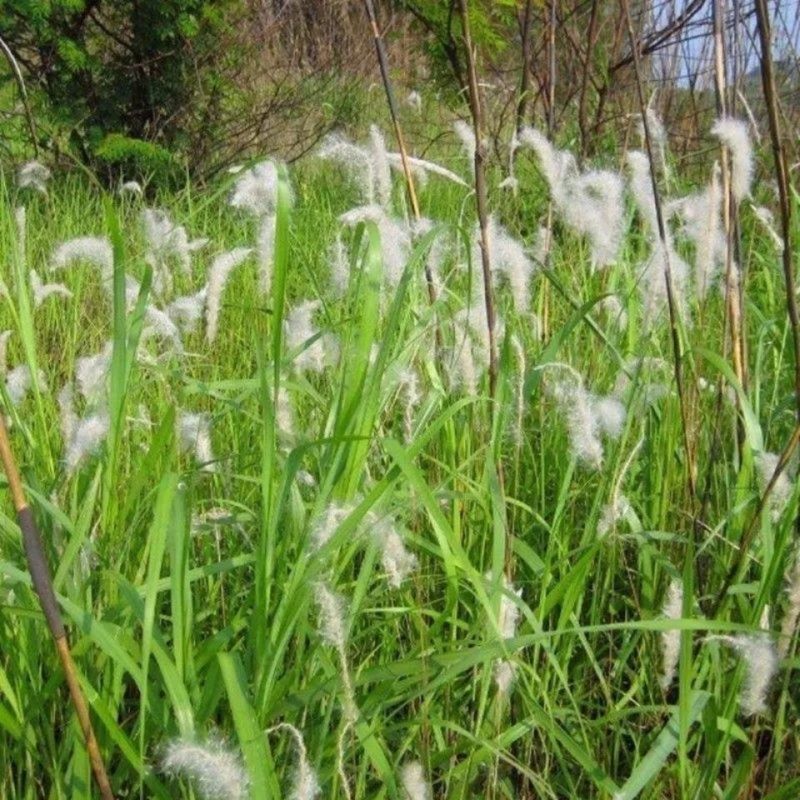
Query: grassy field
{"x": 352, "y": 538}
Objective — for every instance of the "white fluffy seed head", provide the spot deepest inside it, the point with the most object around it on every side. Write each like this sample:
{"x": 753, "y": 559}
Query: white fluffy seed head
{"x": 187, "y": 311}
{"x": 380, "y": 167}
{"x": 734, "y": 134}
{"x": 610, "y": 413}
{"x": 505, "y": 676}
{"x": 557, "y": 165}
{"x": 265, "y": 253}
{"x": 466, "y": 135}
{"x": 19, "y": 381}
{"x": 766, "y": 464}
{"x": 194, "y": 435}
{"x": 613, "y": 513}
{"x": 88, "y": 435}
{"x": 327, "y": 524}
{"x": 339, "y": 267}
{"x": 41, "y": 291}
{"x": 91, "y": 374}
{"x": 412, "y": 776}
{"x": 33, "y": 175}
{"x": 216, "y": 771}
{"x": 94, "y": 250}
{"x": 256, "y": 190}
{"x": 641, "y": 184}
{"x": 792, "y": 614}
{"x": 331, "y": 609}
{"x": 671, "y": 640}
{"x": 582, "y": 423}
{"x": 397, "y": 562}
{"x": 299, "y": 328}
{"x": 221, "y": 268}
{"x": 507, "y": 257}
{"x": 355, "y": 160}
{"x": 761, "y": 660}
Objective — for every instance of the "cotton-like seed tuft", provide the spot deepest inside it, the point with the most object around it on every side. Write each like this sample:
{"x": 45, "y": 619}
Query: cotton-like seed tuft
{"x": 767, "y": 220}
{"x": 131, "y": 188}
{"x": 612, "y": 514}
{"x": 466, "y": 135}
{"x": 412, "y": 776}
{"x": 671, "y": 640}
{"x": 256, "y": 190}
{"x": 216, "y": 772}
{"x": 792, "y": 614}
{"x": 327, "y": 524}
{"x": 33, "y": 175}
{"x": 380, "y": 166}
{"x": 331, "y": 609}
{"x": 766, "y": 464}
{"x": 355, "y": 160}
{"x": 187, "y": 311}
{"x": 414, "y": 101}
{"x": 397, "y": 562}
{"x": 88, "y": 435}
{"x": 221, "y": 268}
{"x": 41, "y": 291}
{"x": 19, "y": 381}
{"x": 761, "y": 660}
{"x": 505, "y": 676}
{"x": 194, "y": 435}
{"x": 610, "y": 414}
{"x": 312, "y": 356}
{"x": 94, "y": 250}
{"x": 91, "y": 374}
{"x": 735, "y": 135}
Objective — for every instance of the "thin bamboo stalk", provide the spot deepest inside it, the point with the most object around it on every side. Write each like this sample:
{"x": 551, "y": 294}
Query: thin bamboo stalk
{"x": 43, "y": 586}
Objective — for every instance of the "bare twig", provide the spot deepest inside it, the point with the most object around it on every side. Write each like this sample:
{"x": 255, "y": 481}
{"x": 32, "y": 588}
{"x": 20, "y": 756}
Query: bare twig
{"x": 480, "y": 194}
{"x": 782, "y": 176}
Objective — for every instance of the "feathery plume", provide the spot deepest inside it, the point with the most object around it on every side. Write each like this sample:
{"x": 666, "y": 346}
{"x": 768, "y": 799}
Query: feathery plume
{"x": 332, "y": 611}
{"x": 41, "y": 291}
{"x": 380, "y": 166}
{"x": 94, "y": 250}
{"x": 19, "y": 381}
{"x": 256, "y": 190}
{"x": 591, "y": 203}
{"x": 4, "y": 337}
{"x": 397, "y": 562}
{"x": 612, "y": 514}
{"x": 734, "y": 134}
{"x": 355, "y": 160}
{"x": 766, "y": 464}
{"x": 299, "y": 329}
{"x": 88, "y": 435}
{"x": 265, "y": 253}
{"x": 508, "y": 258}
{"x": 187, "y": 311}
{"x": 421, "y": 168}
{"x": 414, "y": 101}
{"x": 221, "y": 268}
{"x": 466, "y": 136}
{"x": 792, "y": 614}
{"x": 326, "y": 525}
{"x": 767, "y": 220}
{"x": 412, "y": 776}
{"x": 395, "y": 239}
{"x": 761, "y": 660}
{"x": 305, "y": 784}
{"x": 91, "y": 373}
{"x": 216, "y": 771}
{"x": 339, "y": 267}
{"x": 194, "y": 435}
{"x": 33, "y": 175}
{"x": 671, "y": 640}
{"x": 131, "y": 188}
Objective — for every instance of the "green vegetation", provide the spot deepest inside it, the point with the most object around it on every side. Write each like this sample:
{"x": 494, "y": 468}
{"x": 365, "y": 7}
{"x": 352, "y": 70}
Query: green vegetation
{"x": 189, "y": 581}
